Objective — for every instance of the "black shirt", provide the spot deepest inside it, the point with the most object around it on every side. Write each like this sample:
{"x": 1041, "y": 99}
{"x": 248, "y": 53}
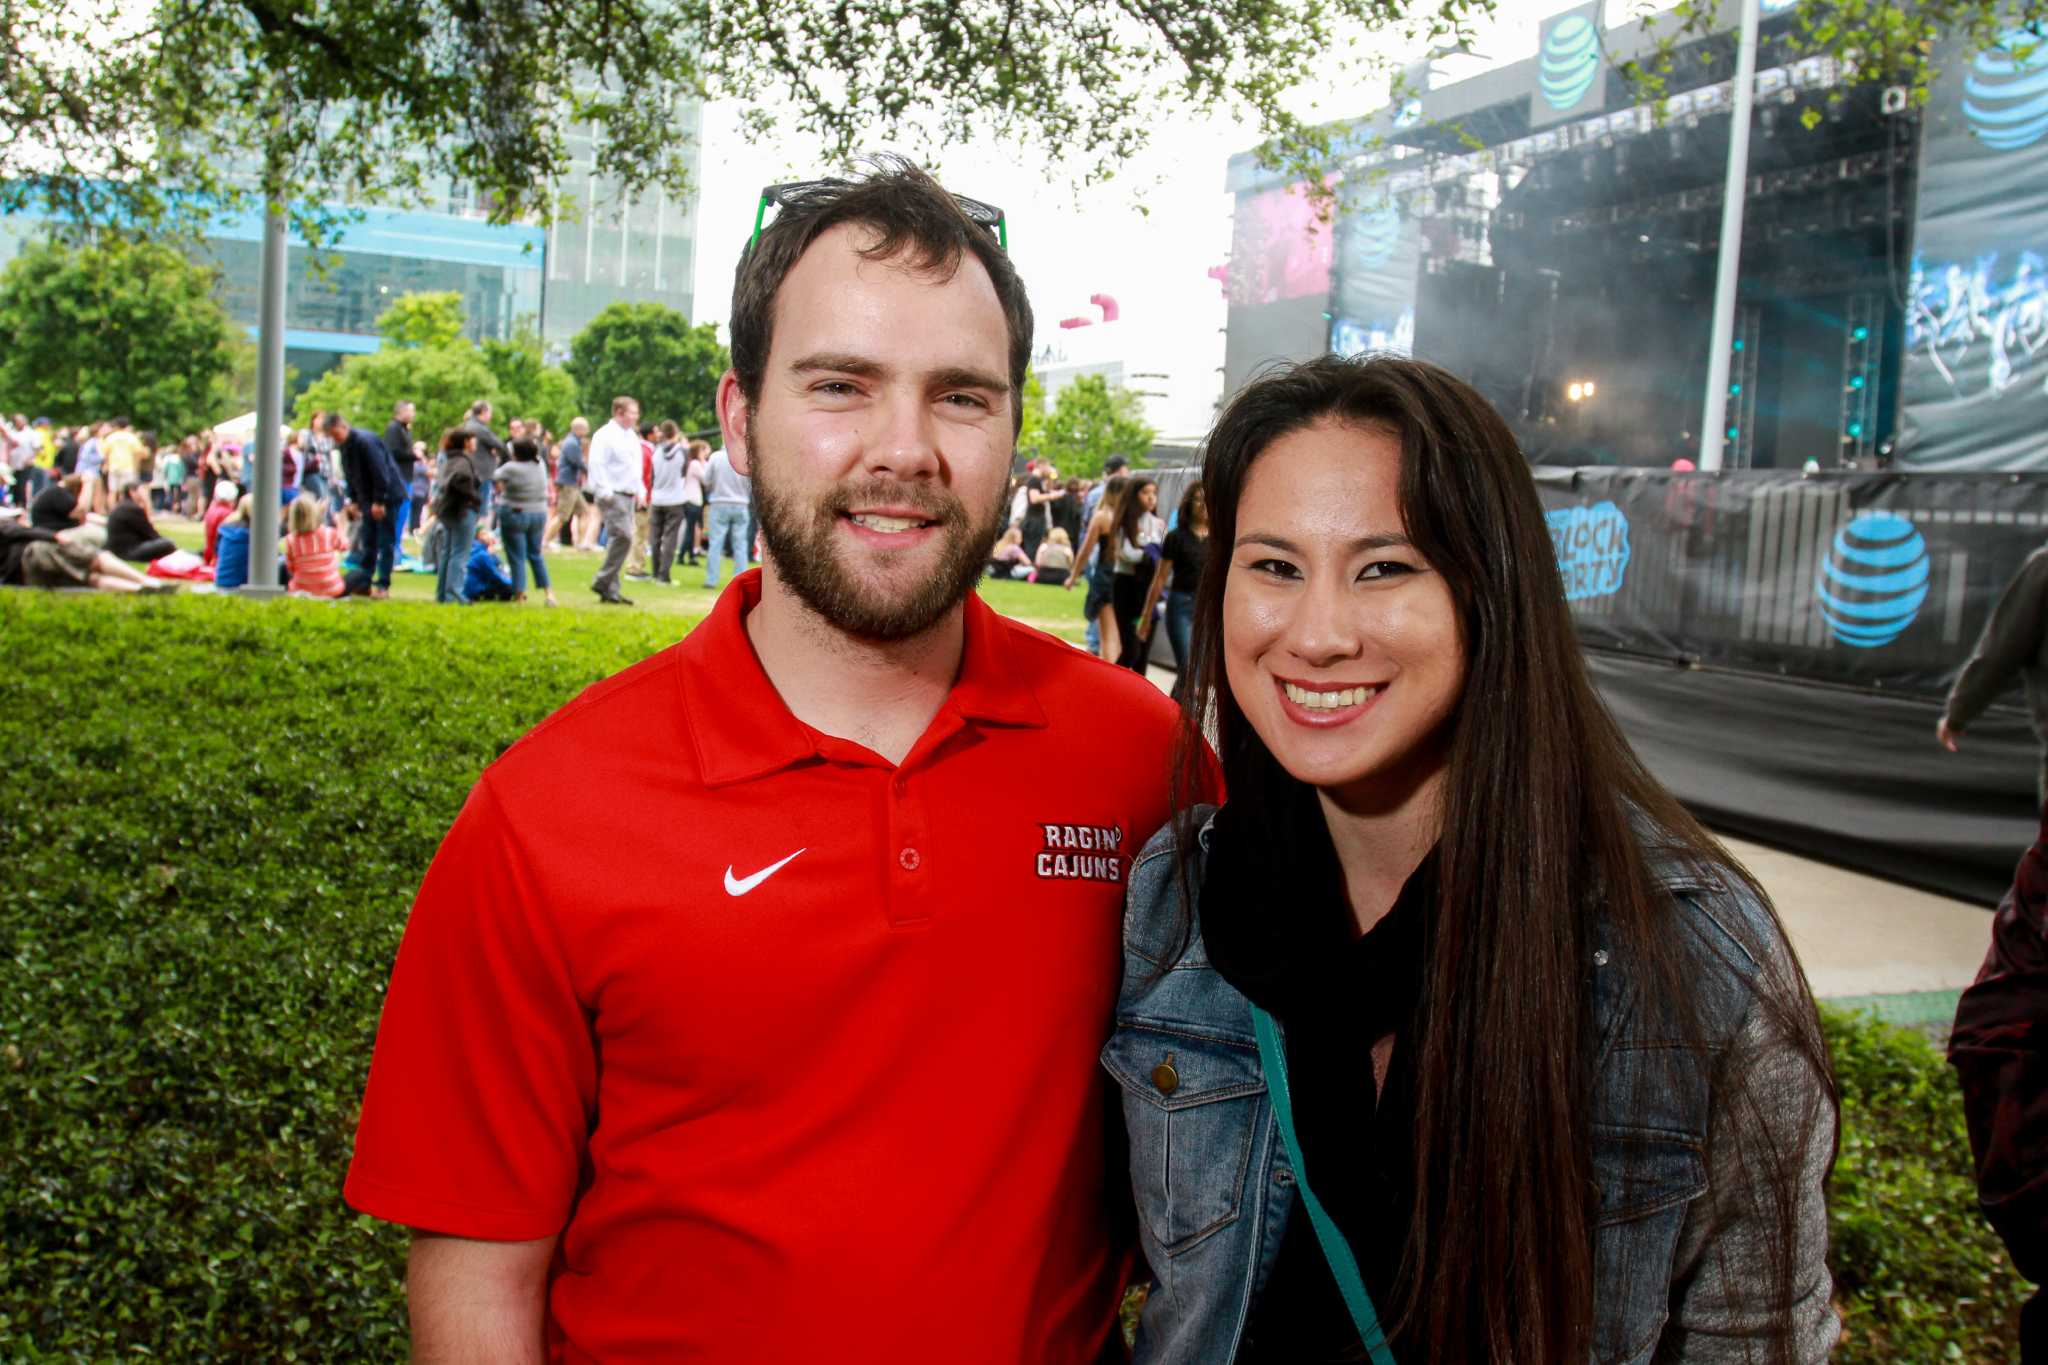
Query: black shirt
{"x": 1185, "y": 551}
{"x": 53, "y": 509}
{"x": 398, "y": 444}
{"x": 1066, "y": 514}
{"x": 1278, "y": 927}
{"x": 128, "y": 530}
{"x": 1034, "y": 512}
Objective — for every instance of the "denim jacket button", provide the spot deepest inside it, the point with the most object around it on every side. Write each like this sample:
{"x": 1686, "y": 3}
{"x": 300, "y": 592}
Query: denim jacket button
{"x": 1282, "y": 1177}
{"x": 1165, "y": 1077}
{"x": 1599, "y": 957}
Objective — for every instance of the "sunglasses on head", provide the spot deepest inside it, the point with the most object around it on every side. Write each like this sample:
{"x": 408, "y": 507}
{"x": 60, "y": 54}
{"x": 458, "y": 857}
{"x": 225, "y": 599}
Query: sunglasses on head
{"x": 987, "y": 215}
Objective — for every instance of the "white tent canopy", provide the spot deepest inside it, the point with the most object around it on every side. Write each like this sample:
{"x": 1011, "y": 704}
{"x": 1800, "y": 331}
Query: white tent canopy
{"x": 241, "y": 429}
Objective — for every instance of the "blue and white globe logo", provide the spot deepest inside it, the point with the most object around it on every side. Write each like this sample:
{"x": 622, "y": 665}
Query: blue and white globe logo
{"x": 2005, "y": 96}
{"x": 1872, "y": 580}
{"x": 1377, "y": 231}
{"x": 1571, "y": 59}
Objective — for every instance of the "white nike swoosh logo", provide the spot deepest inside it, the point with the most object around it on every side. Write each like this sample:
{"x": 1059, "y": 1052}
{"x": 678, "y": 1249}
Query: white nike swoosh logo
{"x": 740, "y": 886}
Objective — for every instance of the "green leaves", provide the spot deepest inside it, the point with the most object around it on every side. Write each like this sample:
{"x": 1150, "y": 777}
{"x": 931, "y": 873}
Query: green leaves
{"x": 1919, "y": 1275}
{"x": 217, "y": 853}
{"x": 115, "y": 327}
{"x": 425, "y": 358}
{"x": 1090, "y": 422}
{"x": 649, "y": 352}
{"x": 415, "y": 320}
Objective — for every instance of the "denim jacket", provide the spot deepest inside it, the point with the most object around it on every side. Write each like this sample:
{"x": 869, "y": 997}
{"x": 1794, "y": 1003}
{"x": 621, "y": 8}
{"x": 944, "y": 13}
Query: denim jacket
{"x": 1676, "y": 1271}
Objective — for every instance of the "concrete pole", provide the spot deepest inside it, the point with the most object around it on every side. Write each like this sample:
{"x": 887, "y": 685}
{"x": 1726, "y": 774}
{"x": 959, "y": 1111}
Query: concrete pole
{"x": 1714, "y": 420}
{"x": 267, "y": 472}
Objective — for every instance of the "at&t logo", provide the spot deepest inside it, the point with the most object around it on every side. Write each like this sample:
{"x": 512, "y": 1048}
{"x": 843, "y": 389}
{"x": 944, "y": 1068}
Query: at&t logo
{"x": 1872, "y": 580}
{"x": 2005, "y": 96}
{"x": 1570, "y": 61}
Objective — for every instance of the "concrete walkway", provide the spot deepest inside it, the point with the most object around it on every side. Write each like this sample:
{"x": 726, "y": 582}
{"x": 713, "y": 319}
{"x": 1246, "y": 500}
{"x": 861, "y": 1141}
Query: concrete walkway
{"x": 1871, "y": 944}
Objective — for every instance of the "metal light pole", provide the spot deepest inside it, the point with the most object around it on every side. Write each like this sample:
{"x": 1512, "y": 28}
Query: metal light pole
{"x": 267, "y": 474}
{"x": 1714, "y": 419}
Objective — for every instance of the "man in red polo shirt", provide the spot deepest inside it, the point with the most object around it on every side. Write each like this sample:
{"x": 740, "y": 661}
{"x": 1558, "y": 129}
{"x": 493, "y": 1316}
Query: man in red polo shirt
{"x": 745, "y": 1014}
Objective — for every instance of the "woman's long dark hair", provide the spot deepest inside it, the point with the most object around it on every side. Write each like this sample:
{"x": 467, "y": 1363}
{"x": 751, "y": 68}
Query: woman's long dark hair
{"x": 1130, "y": 511}
{"x": 1545, "y": 814}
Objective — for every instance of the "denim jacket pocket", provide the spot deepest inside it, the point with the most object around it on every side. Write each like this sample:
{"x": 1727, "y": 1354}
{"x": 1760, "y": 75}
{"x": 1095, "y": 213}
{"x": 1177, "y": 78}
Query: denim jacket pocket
{"x": 1191, "y": 1104}
{"x": 1647, "y": 1180}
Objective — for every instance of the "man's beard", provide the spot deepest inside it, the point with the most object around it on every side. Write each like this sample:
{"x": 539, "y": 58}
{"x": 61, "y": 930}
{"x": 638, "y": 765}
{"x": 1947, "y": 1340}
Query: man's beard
{"x": 803, "y": 543}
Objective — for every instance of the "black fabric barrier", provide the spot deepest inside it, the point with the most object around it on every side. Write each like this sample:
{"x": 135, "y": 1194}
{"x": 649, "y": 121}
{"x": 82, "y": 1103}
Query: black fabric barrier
{"x": 1870, "y": 580}
{"x": 1844, "y": 775}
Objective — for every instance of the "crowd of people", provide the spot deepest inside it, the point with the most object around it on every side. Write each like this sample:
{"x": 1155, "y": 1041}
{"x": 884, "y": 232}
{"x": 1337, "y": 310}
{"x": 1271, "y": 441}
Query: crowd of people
{"x": 356, "y": 507}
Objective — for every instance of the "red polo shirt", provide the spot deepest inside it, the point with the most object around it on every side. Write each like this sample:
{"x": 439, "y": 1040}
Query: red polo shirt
{"x": 810, "y": 1075}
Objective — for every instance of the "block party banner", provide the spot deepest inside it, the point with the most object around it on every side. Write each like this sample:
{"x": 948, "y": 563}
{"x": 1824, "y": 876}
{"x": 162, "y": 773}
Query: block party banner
{"x": 1873, "y": 580}
{"x": 1777, "y": 649}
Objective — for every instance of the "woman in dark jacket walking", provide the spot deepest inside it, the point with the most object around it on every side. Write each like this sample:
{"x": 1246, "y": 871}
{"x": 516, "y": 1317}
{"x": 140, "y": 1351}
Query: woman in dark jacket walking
{"x": 458, "y": 495}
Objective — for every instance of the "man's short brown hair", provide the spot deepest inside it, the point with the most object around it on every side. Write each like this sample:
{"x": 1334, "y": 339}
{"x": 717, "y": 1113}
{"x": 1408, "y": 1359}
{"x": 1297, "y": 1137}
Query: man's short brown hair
{"x": 910, "y": 213}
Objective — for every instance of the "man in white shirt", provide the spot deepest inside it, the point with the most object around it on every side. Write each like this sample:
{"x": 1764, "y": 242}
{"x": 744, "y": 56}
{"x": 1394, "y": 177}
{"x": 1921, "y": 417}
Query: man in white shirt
{"x": 617, "y": 486}
{"x": 727, "y": 493}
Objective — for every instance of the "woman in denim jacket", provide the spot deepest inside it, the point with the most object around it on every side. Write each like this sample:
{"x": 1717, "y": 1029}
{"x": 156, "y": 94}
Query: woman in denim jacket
{"x": 1555, "y": 1075}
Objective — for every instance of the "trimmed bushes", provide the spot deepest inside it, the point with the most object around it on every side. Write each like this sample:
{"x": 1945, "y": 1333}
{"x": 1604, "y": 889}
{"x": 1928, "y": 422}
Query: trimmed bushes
{"x": 211, "y": 824}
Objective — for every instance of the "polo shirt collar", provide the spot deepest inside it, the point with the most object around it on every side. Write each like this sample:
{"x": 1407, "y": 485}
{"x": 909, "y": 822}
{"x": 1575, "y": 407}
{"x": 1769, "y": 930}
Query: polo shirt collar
{"x": 741, "y": 727}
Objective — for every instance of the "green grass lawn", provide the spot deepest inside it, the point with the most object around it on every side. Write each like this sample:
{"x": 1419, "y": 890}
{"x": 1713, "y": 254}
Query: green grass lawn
{"x": 216, "y": 812}
{"x": 1048, "y": 609}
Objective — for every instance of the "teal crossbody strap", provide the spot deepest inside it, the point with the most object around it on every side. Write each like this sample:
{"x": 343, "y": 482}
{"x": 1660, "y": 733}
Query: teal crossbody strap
{"x": 1273, "y": 1060}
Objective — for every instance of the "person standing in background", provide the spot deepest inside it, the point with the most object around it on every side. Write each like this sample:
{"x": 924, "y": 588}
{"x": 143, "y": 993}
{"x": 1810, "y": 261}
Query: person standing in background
{"x": 22, "y": 443}
{"x": 615, "y": 479}
{"x": 570, "y": 466}
{"x": 122, "y": 449}
{"x": 2014, "y": 644}
{"x": 1179, "y": 574}
{"x": 398, "y": 441}
{"x": 727, "y": 496}
{"x": 523, "y": 515}
{"x": 92, "y": 460}
{"x": 1999, "y": 1048}
{"x": 636, "y": 563}
{"x": 693, "y": 498}
{"x": 1041, "y": 490}
{"x": 1112, "y": 470}
{"x": 373, "y": 490}
{"x": 665, "y": 500}
{"x": 487, "y": 452}
{"x": 457, "y": 500}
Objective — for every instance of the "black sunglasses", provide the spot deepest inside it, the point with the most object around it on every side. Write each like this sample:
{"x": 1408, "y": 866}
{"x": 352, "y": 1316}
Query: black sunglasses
{"x": 988, "y": 215}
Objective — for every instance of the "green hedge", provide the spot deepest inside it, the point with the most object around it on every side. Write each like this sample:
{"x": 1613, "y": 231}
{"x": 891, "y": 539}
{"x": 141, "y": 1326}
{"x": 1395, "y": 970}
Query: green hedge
{"x": 1919, "y": 1274}
{"x": 212, "y": 819}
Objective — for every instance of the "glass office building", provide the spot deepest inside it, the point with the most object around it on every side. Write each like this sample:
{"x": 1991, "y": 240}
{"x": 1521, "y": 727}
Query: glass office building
{"x": 333, "y": 313}
{"x": 605, "y": 248}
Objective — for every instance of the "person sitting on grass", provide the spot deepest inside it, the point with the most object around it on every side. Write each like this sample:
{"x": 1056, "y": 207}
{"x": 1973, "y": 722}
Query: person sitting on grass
{"x": 1056, "y": 556}
{"x": 130, "y": 533}
{"x": 59, "y": 507}
{"x": 313, "y": 549}
{"x": 231, "y": 547}
{"x": 31, "y": 557}
{"x": 225, "y": 496}
{"x": 485, "y": 579}
{"x": 1008, "y": 559}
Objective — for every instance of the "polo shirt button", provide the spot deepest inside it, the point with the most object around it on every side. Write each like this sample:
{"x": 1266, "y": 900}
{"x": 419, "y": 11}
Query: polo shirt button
{"x": 910, "y": 859}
